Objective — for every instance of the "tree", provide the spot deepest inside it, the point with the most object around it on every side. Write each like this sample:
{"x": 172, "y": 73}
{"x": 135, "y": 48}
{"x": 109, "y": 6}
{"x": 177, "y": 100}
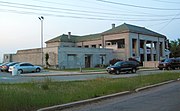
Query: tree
{"x": 175, "y": 48}
{"x": 47, "y": 58}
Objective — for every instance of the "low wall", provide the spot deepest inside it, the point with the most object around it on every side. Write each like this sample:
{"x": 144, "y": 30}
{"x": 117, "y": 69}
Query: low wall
{"x": 150, "y": 64}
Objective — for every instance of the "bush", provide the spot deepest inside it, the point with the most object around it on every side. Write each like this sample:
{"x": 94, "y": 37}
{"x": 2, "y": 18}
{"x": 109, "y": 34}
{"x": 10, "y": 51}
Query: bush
{"x": 133, "y": 59}
{"x": 101, "y": 66}
{"x": 113, "y": 61}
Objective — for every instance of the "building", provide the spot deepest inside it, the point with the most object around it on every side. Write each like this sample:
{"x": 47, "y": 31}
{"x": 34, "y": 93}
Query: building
{"x": 123, "y": 42}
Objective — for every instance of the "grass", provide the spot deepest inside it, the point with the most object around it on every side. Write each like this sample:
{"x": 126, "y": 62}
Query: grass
{"x": 35, "y": 95}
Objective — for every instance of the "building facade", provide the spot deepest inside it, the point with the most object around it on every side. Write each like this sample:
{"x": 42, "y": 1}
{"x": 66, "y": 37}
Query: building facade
{"x": 123, "y": 42}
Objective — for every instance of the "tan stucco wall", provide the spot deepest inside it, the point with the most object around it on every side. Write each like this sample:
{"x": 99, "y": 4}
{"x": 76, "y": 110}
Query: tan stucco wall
{"x": 53, "y": 44}
{"x": 30, "y": 55}
{"x": 53, "y": 55}
{"x": 34, "y": 56}
{"x": 120, "y": 53}
{"x": 89, "y": 43}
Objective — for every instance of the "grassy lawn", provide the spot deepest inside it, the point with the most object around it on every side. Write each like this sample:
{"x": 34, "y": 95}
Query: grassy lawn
{"x": 35, "y": 95}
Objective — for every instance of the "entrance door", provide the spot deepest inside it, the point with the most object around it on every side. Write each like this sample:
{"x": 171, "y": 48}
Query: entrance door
{"x": 87, "y": 61}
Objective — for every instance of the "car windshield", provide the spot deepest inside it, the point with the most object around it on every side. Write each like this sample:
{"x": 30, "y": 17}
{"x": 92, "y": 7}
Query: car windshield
{"x": 167, "y": 60}
{"x": 118, "y": 63}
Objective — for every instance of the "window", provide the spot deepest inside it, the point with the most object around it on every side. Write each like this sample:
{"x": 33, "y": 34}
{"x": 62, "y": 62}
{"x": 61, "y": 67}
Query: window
{"x": 26, "y": 64}
{"x": 121, "y": 43}
{"x": 86, "y": 46}
{"x": 114, "y": 43}
{"x": 108, "y": 43}
{"x": 93, "y": 46}
{"x": 6, "y": 57}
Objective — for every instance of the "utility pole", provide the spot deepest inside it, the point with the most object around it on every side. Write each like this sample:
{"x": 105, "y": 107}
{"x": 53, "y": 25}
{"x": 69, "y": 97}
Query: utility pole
{"x": 41, "y": 19}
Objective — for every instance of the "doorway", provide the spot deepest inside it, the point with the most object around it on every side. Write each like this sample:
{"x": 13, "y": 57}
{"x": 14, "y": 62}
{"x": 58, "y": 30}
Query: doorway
{"x": 87, "y": 61}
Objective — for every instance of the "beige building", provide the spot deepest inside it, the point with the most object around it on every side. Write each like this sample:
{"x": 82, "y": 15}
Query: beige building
{"x": 123, "y": 42}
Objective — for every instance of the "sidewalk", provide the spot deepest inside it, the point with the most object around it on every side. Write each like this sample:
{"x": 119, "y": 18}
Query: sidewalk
{"x": 68, "y": 73}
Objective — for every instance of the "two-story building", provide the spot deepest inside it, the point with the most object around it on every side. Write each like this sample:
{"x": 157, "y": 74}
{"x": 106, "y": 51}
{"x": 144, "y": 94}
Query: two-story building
{"x": 72, "y": 51}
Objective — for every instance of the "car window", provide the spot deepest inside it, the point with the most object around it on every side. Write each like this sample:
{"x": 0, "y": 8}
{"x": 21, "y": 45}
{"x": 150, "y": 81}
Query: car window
{"x": 13, "y": 64}
{"x": 118, "y": 63}
{"x": 26, "y": 64}
{"x": 125, "y": 64}
{"x": 167, "y": 60}
{"x": 22, "y": 64}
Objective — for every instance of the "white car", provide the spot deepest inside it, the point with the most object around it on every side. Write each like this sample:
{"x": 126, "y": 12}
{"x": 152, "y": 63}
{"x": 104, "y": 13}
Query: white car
{"x": 25, "y": 67}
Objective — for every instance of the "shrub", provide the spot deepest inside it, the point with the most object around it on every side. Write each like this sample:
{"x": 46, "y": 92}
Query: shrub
{"x": 133, "y": 59}
{"x": 101, "y": 65}
{"x": 113, "y": 61}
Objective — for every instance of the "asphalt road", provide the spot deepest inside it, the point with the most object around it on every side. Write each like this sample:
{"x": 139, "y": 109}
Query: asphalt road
{"x": 8, "y": 78}
{"x": 162, "y": 98}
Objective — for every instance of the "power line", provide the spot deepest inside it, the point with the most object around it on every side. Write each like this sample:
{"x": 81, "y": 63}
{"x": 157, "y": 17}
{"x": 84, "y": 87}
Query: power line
{"x": 81, "y": 17}
{"x": 163, "y": 1}
{"x": 144, "y": 14}
{"x": 72, "y": 10}
{"x": 103, "y": 9}
{"x": 77, "y": 13}
{"x": 74, "y": 13}
{"x": 86, "y": 14}
{"x": 170, "y": 21}
{"x": 137, "y": 6}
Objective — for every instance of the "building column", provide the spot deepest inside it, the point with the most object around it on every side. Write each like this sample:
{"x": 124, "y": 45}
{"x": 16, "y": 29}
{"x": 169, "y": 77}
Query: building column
{"x": 103, "y": 41}
{"x": 163, "y": 49}
{"x": 157, "y": 51}
{"x": 145, "y": 51}
{"x": 138, "y": 48}
{"x": 152, "y": 55}
{"x": 130, "y": 47}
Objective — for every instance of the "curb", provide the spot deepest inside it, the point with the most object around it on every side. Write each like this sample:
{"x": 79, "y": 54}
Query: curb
{"x": 63, "y": 106}
{"x": 43, "y": 75}
{"x": 68, "y": 105}
{"x": 154, "y": 85}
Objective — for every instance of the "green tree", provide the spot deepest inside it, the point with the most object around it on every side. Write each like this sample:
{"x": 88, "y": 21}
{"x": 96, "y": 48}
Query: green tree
{"x": 175, "y": 48}
{"x": 47, "y": 58}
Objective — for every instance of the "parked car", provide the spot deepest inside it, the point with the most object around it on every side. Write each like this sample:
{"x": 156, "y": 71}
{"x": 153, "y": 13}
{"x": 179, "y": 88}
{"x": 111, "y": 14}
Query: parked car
{"x": 5, "y": 67}
{"x": 123, "y": 66}
{"x": 25, "y": 67}
{"x": 2, "y": 65}
{"x": 169, "y": 63}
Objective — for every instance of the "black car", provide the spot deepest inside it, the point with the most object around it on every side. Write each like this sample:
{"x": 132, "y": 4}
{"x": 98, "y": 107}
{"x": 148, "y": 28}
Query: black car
{"x": 5, "y": 67}
{"x": 169, "y": 63}
{"x": 123, "y": 66}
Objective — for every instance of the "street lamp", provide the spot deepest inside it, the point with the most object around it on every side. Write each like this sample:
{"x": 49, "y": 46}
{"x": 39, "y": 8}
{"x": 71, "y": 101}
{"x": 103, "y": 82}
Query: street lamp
{"x": 41, "y": 19}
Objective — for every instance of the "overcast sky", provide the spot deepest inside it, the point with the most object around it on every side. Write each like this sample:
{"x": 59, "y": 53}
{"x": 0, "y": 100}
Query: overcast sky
{"x": 20, "y": 26}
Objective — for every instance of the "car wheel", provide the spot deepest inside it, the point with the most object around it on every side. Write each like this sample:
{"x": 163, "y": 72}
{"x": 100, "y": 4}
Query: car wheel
{"x": 117, "y": 72}
{"x": 160, "y": 68}
{"x": 109, "y": 72}
{"x": 38, "y": 70}
{"x": 168, "y": 68}
{"x": 133, "y": 70}
{"x": 20, "y": 71}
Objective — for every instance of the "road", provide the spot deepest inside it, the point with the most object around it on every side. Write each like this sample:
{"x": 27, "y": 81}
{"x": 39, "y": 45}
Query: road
{"x": 8, "y": 78}
{"x": 162, "y": 98}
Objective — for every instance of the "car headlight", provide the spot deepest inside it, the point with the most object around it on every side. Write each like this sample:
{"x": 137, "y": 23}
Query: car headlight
{"x": 112, "y": 68}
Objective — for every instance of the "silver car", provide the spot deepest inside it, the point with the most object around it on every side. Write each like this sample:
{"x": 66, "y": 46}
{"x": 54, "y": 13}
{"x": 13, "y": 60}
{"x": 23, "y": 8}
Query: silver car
{"x": 26, "y": 67}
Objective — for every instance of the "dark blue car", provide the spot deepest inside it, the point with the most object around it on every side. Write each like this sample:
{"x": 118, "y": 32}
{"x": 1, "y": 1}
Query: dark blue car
{"x": 123, "y": 66}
